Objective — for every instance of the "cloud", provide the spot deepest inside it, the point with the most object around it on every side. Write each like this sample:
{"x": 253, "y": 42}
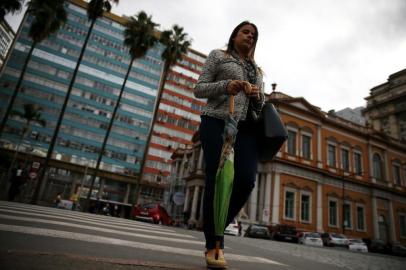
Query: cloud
{"x": 327, "y": 51}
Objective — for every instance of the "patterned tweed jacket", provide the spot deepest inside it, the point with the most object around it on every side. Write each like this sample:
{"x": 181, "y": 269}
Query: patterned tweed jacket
{"x": 220, "y": 68}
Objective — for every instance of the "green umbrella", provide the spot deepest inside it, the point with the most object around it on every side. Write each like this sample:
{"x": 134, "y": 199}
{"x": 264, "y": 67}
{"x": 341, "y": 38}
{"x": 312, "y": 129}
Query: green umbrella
{"x": 225, "y": 175}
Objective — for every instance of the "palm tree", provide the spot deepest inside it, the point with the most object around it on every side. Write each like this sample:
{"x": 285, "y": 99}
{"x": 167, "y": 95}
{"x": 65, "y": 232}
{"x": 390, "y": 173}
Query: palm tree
{"x": 48, "y": 17}
{"x": 176, "y": 44}
{"x": 95, "y": 10}
{"x": 10, "y": 6}
{"x": 31, "y": 114}
{"x": 139, "y": 36}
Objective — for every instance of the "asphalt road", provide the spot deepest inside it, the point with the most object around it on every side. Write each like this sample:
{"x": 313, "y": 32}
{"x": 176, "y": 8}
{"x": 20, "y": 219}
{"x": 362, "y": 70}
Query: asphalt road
{"x": 34, "y": 237}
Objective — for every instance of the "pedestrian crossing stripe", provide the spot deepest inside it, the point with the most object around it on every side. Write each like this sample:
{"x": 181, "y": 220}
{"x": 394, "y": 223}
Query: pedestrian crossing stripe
{"x": 67, "y": 217}
{"x": 106, "y": 219}
{"x": 92, "y": 228}
{"x": 126, "y": 243}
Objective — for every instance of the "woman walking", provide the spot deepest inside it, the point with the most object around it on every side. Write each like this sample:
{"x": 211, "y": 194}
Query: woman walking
{"x": 230, "y": 72}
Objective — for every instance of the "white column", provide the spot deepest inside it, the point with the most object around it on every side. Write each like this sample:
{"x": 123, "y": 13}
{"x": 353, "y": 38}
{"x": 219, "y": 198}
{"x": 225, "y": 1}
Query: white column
{"x": 194, "y": 203}
{"x": 319, "y": 142}
{"x": 193, "y": 164}
{"x": 185, "y": 206}
{"x": 267, "y": 204}
{"x": 200, "y": 162}
{"x": 375, "y": 218}
{"x": 276, "y": 198}
{"x": 254, "y": 202}
{"x": 319, "y": 208}
{"x": 392, "y": 230}
{"x": 394, "y": 126}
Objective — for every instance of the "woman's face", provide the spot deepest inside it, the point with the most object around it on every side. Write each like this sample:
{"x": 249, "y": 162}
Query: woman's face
{"x": 245, "y": 38}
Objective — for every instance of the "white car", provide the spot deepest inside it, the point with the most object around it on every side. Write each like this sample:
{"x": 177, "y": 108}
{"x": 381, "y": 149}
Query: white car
{"x": 310, "y": 238}
{"x": 232, "y": 228}
{"x": 334, "y": 239}
{"x": 357, "y": 245}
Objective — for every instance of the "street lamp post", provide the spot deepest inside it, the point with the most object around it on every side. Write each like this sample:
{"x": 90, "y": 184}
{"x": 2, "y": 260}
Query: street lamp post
{"x": 343, "y": 203}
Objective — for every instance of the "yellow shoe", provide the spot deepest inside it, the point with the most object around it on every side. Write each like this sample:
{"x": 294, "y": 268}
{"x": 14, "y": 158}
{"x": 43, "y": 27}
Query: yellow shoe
{"x": 215, "y": 262}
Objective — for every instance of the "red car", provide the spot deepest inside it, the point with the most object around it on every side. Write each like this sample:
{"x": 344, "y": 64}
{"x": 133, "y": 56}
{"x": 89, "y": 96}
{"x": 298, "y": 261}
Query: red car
{"x": 153, "y": 213}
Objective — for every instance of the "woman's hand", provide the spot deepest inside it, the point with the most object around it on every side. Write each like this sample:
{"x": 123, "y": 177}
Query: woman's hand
{"x": 251, "y": 90}
{"x": 234, "y": 87}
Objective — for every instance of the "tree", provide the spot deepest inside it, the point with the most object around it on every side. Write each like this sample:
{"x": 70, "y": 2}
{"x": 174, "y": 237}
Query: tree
{"x": 10, "y": 6}
{"x": 30, "y": 114}
{"x": 95, "y": 10}
{"x": 48, "y": 17}
{"x": 176, "y": 44}
{"x": 139, "y": 36}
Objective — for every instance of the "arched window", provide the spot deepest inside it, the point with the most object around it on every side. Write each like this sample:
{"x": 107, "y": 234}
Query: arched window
{"x": 377, "y": 166}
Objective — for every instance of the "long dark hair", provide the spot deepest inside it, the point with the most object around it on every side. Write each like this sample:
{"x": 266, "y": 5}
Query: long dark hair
{"x": 230, "y": 45}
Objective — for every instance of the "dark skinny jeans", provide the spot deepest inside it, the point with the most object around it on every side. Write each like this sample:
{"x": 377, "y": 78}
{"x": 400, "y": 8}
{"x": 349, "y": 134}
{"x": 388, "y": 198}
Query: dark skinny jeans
{"x": 245, "y": 168}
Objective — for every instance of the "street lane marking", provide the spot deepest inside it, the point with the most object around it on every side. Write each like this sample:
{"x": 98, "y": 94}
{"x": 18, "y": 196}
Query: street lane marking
{"x": 87, "y": 216}
{"x": 116, "y": 261}
{"x": 126, "y": 243}
{"x": 92, "y": 228}
{"x": 113, "y": 220}
{"x": 90, "y": 221}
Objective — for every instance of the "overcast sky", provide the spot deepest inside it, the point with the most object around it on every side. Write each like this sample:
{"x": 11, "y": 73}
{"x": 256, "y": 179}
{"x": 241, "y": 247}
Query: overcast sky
{"x": 331, "y": 52}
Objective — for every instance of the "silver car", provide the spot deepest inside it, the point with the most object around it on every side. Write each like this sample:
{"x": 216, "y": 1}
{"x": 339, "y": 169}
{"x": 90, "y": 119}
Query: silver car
{"x": 233, "y": 228}
{"x": 334, "y": 239}
{"x": 357, "y": 245}
{"x": 310, "y": 238}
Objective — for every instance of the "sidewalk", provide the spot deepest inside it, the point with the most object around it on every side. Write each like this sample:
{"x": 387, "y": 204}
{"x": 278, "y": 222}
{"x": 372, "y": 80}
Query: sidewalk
{"x": 29, "y": 260}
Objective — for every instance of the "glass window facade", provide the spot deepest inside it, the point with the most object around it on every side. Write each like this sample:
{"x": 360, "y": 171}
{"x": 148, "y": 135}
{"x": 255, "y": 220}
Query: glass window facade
{"x": 291, "y": 142}
{"x": 306, "y": 146}
{"x": 347, "y": 215}
{"x": 94, "y": 94}
{"x": 396, "y": 174}
{"x": 377, "y": 167}
{"x": 360, "y": 218}
{"x": 331, "y": 159}
{"x": 357, "y": 163}
{"x": 345, "y": 159}
{"x": 289, "y": 204}
{"x": 305, "y": 208}
{"x": 332, "y": 213}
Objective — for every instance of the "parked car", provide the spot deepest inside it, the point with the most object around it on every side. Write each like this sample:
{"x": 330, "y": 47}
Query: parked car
{"x": 153, "y": 213}
{"x": 257, "y": 231}
{"x": 282, "y": 232}
{"x": 379, "y": 246}
{"x": 398, "y": 249}
{"x": 232, "y": 228}
{"x": 334, "y": 239}
{"x": 357, "y": 245}
{"x": 310, "y": 238}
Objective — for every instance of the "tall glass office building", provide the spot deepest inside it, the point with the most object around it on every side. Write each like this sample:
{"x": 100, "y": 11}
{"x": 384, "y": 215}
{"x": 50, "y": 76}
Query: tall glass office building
{"x": 90, "y": 107}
